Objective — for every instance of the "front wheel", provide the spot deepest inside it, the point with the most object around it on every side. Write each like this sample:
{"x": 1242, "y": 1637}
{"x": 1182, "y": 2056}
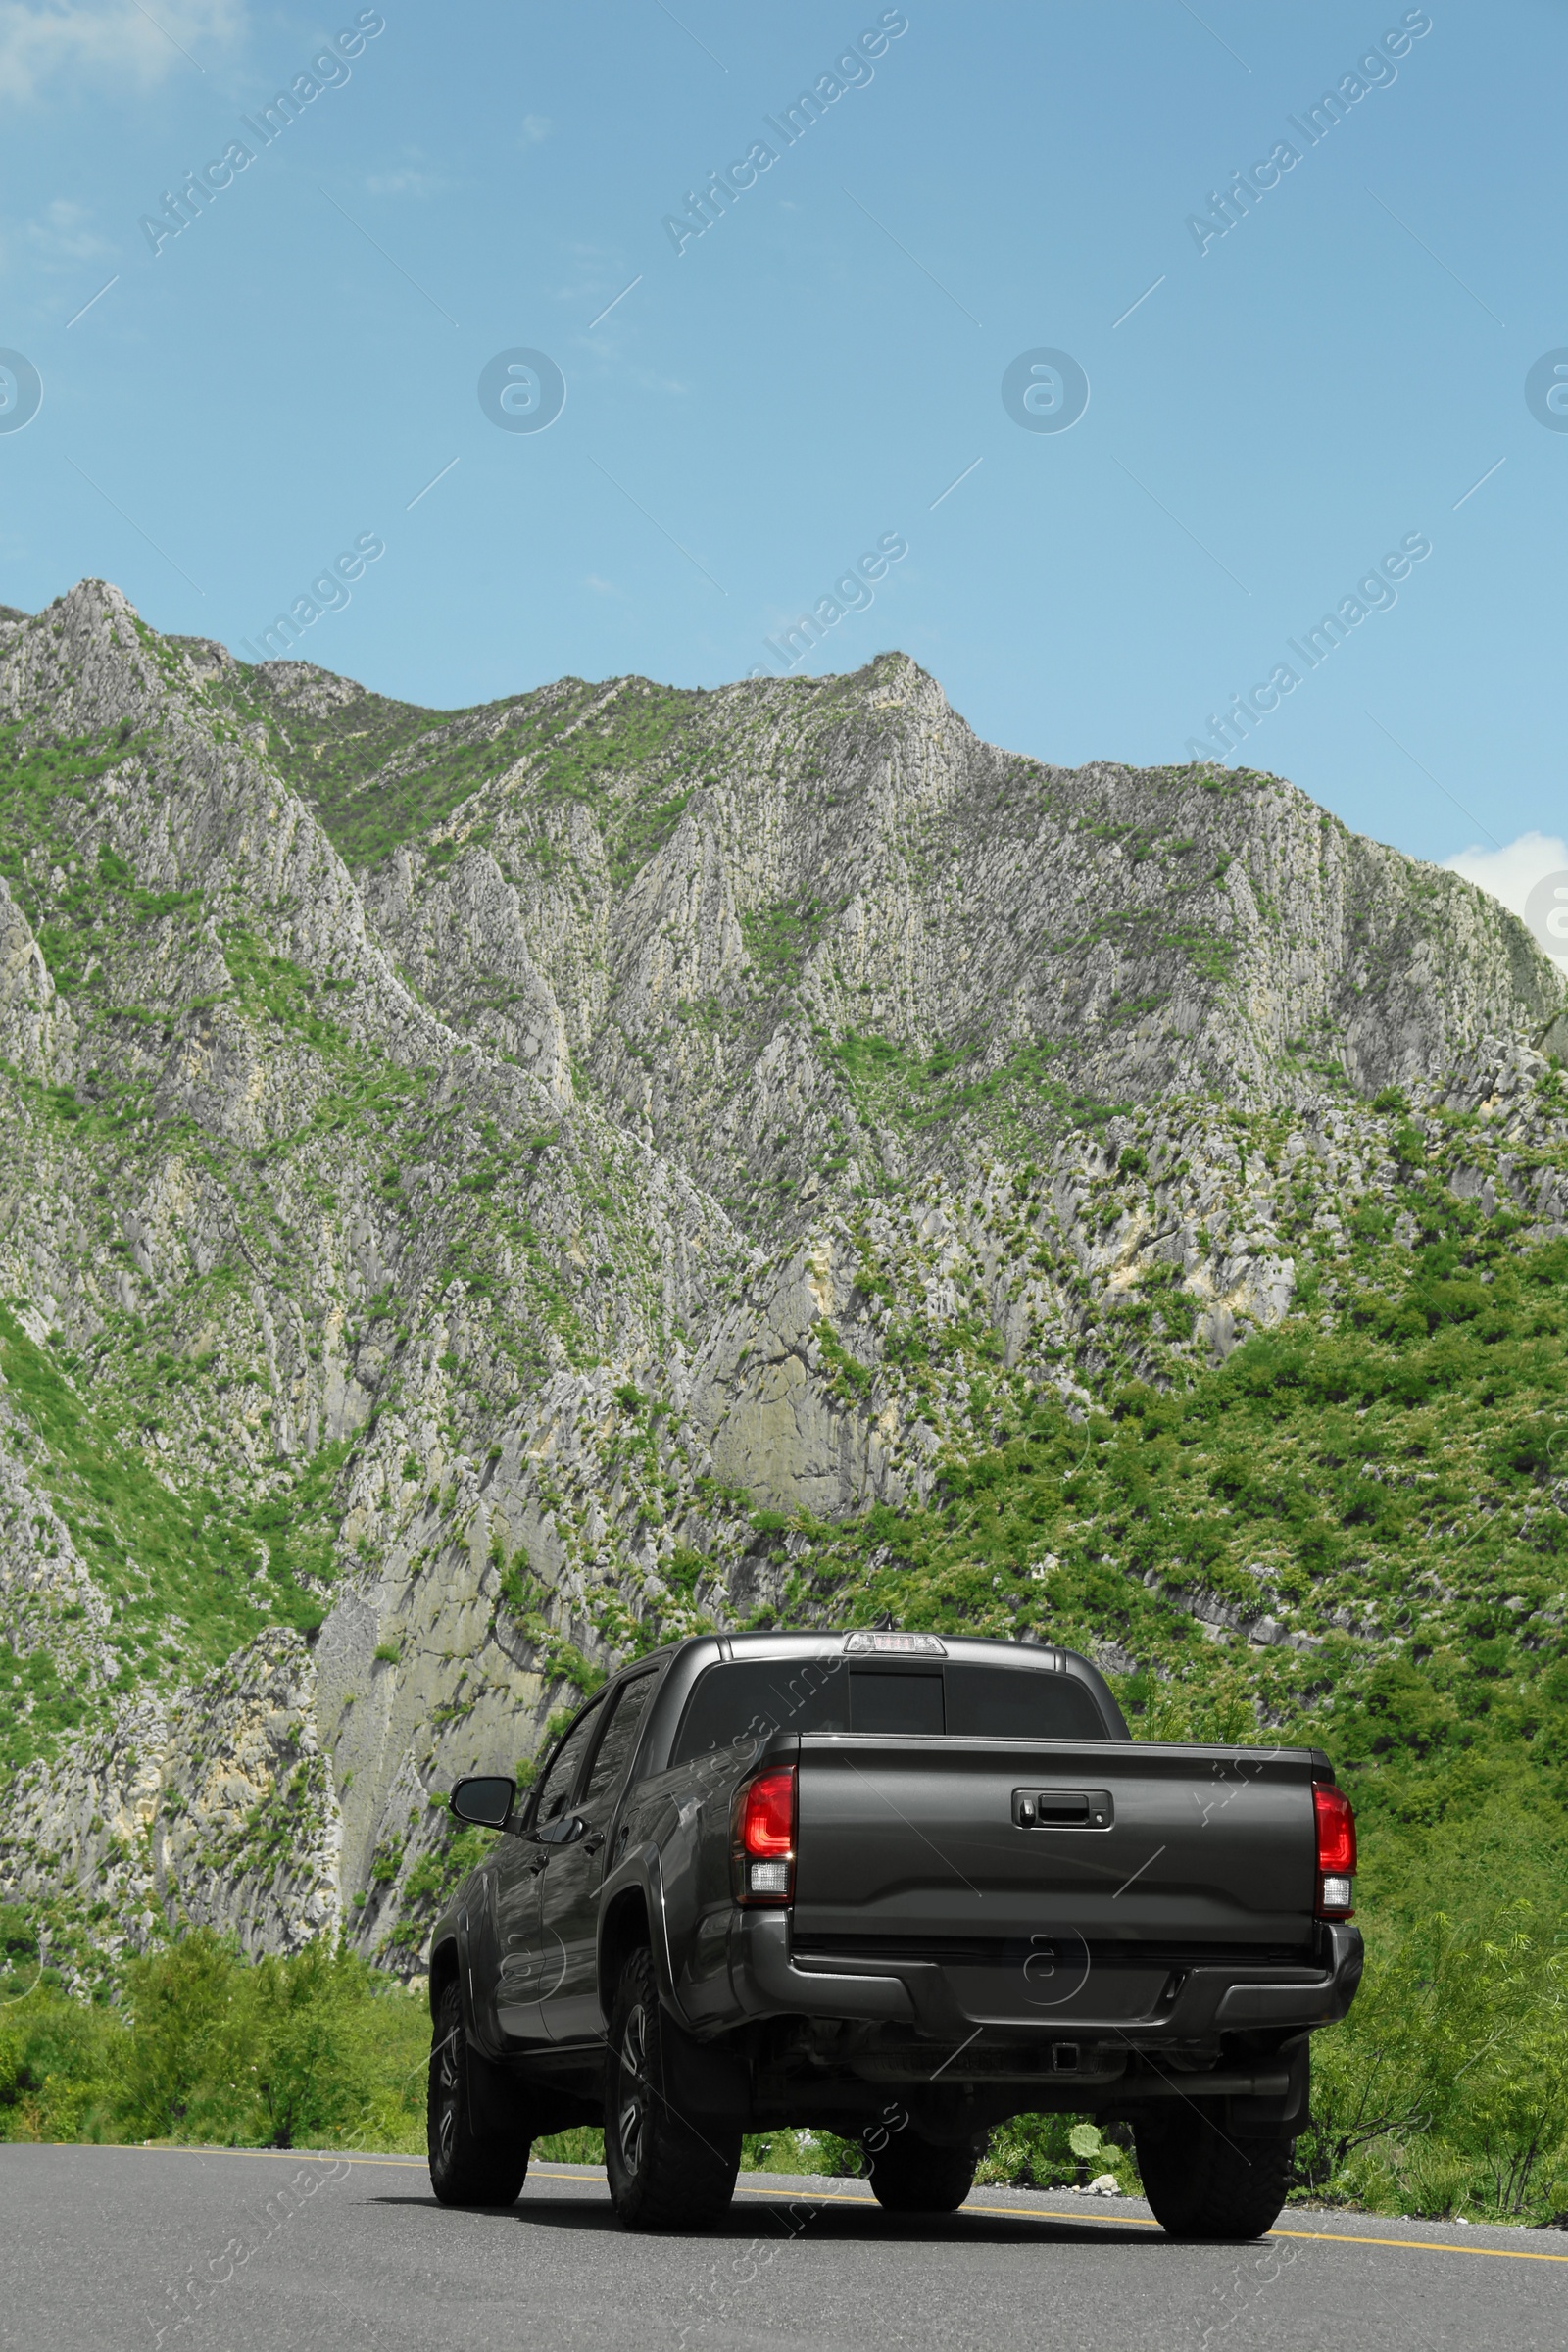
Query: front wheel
{"x": 909, "y": 2175}
{"x": 1206, "y": 2184}
{"x": 465, "y": 2169}
{"x": 665, "y": 2173}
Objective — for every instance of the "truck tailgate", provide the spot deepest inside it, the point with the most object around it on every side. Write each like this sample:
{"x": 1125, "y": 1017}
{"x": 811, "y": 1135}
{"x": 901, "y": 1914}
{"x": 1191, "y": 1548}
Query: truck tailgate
{"x": 911, "y": 1842}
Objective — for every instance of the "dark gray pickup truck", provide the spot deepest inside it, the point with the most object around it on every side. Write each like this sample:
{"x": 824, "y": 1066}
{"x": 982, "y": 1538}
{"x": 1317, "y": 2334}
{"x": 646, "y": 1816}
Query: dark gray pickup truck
{"x": 897, "y": 1888}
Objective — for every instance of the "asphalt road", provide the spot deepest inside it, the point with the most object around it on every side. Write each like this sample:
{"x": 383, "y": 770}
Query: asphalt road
{"x": 116, "y": 2249}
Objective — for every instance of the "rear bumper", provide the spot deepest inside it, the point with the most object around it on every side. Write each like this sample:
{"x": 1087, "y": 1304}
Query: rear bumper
{"x": 769, "y": 1980}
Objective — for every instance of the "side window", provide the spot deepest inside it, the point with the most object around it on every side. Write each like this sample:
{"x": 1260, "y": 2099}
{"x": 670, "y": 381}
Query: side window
{"x": 614, "y": 1755}
{"x": 746, "y": 1700}
{"x": 555, "y": 1794}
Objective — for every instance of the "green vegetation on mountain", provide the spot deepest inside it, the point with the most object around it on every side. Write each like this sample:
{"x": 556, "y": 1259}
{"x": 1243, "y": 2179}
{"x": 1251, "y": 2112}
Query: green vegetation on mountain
{"x": 380, "y": 773}
{"x": 181, "y": 1572}
{"x": 1020, "y": 1098}
{"x": 1390, "y": 1486}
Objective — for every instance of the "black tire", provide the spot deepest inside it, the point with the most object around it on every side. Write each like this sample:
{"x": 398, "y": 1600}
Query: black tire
{"x": 1205, "y": 2183}
{"x": 464, "y": 2169}
{"x": 909, "y": 2175}
{"x": 665, "y": 2172}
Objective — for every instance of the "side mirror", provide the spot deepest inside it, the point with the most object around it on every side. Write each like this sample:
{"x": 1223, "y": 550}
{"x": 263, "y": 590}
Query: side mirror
{"x": 485, "y": 1800}
{"x": 564, "y": 1830}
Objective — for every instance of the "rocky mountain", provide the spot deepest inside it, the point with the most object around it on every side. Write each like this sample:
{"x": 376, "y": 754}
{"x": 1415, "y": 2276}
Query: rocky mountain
{"x": 479, "y": 1188}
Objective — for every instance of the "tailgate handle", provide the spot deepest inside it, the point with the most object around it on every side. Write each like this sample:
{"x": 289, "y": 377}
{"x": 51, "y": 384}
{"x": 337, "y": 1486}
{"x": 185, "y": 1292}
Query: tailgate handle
{"x": 1063, "y": 1808}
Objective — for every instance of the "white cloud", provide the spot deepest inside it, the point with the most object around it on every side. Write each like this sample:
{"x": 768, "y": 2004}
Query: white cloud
{"x": 407, "y": 181}
{"x": 1514, "y": 872}
{"x": 647, "y": 381}
{"x": 111, "y": 39}
{"x": 63, "y": 236}
{"x": 603, "y": 587}
{"x": 534, "y": 128}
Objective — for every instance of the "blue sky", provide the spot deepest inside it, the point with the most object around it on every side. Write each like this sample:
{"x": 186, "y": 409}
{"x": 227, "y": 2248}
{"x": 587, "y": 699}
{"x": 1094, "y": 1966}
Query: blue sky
{"x": 808, "y": 379}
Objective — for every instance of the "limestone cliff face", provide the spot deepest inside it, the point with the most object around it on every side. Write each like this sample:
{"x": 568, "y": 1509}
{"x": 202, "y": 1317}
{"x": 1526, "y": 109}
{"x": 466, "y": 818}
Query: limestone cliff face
{"x": 458, "y": 1170}
{"x": 842, "y": 857}
{"x": 35, "y": 1028}
{"x": 216, "y": 1807}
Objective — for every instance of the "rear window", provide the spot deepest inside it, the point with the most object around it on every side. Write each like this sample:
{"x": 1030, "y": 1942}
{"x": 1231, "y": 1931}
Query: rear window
{"x": 754, "y": 1698}
{"x": 1012, "y": 1702}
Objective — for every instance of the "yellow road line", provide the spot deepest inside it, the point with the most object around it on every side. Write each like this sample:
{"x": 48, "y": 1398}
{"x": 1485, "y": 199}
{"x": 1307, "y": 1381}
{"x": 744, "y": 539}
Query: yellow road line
{"x": 134, "y": 2147}
{"x": 1026, "y": 2213}
{"x": 1137, "y": 2221}
{"x": 1423, "y": 2246}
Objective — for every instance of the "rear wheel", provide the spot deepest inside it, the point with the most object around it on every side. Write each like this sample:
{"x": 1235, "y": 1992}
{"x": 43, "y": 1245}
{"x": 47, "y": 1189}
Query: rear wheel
{"x": 910, "y": 2176}
{"x": 465, "y": 2169}
{"x": 1205, "y": 2183}
{"x": 665, "y": 2172}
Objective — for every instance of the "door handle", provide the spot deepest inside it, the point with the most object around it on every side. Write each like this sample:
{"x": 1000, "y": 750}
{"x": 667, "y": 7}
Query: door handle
{"x": 1063, "y": 1808}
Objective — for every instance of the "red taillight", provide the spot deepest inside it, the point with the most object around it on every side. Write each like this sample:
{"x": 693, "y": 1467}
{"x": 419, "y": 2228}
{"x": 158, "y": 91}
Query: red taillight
{"x": 1336, "y": 1829}
{"x": 768, "y": 1821}
{"x": 763, "y": 1845}
{"x": 1336, "y": 1850}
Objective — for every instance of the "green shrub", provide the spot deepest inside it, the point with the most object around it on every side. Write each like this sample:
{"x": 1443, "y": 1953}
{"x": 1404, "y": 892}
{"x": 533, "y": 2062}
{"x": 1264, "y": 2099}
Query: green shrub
{"x": 315, "y": 2049}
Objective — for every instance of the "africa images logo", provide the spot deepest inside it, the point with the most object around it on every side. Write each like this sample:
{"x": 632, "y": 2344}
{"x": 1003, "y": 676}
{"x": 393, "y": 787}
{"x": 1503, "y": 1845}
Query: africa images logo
{"x": 180, "y": 208}
{"x": 1374, "y": 593}
{"x": 1547, "y": 914}
{"x": 521, "y": 390}
{"x": 21, "y": 391}
{"x": 852, "y": 69}
{"x": 1046, "y": 391}
{"x": 1546, "y": 391}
